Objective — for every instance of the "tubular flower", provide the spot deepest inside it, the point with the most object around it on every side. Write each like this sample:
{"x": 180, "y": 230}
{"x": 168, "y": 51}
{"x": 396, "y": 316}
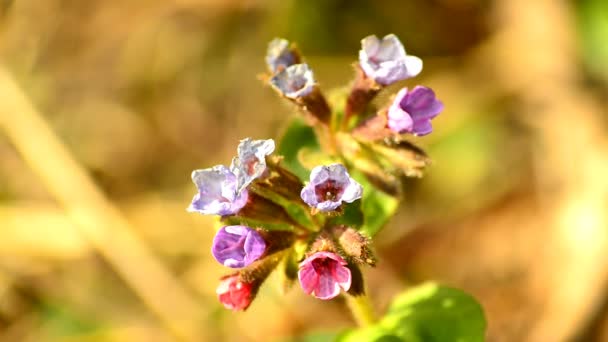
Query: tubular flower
{"x": 217, "y": 192}
{"x": 234, "y": 294}
{"x": 280, "y": 55}
{"x": 251, "y": 161}
{"x": 385, "y": 61}
{"x": 411, "y": 112}
{"x": 295, "y": 81}
{"x": 237, "y": 246}
{"x": 329, "y": 186}
{"x": 323, "y": 274}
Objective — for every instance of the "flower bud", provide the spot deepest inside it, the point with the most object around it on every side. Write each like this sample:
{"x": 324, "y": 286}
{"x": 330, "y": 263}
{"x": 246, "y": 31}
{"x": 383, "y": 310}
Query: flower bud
{"x": 234, "y": 294}
{"x": 411, "y": 112}
{"x": 355, "y": 245}
{"x": 237, "y": 246}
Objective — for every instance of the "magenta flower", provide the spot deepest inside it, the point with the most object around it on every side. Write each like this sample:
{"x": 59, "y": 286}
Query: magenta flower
{"x": 323, "y": 274}
{"x": 295, "y": 81}
{"x": 411, "y": 112}
{"x": 237, "y": 246}
{"x": 234, "y": 294}
{"x": 251, "y": 160}
{"x": 329, "y": 186}
{"x": 280, "y": 55}
{"x": 217, "y": 192}
{"x": 385, "y": 61}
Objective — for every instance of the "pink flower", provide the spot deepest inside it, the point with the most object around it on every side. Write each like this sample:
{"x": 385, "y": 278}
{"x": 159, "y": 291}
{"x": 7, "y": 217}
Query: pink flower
{"x": 234, "y": 294}
{"x": 323, "y": 274}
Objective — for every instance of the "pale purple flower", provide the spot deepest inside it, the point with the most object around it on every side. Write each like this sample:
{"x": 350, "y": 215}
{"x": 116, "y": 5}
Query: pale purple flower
{"x": 329, "y": 186}
{"x": 411, "y": 112}
{"x": 217, "y": 192}
{"x": 237, "y": 246}
{"x": 385, "y": 61}
{"x": 294, "y": 81}
{"x": 251, "y": 160}
{"x": 280, "y": 55}
{"x": 323, "y": 274}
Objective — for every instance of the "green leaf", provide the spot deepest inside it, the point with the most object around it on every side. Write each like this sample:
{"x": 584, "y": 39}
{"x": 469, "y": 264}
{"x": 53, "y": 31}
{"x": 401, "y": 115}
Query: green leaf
{"x": 377, "y": 206}
{"x": 351, "y": 217}
{"x": 297, "y": 136}
{"x": 427, "y": 313}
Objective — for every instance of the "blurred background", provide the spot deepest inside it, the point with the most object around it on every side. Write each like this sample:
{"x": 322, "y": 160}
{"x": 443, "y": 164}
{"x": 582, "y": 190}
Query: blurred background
{"x": 106, "y": 108}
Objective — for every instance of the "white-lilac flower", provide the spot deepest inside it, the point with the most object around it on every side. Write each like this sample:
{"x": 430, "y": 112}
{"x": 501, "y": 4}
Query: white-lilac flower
{"x": 250, "y": 162}
{"x": 217, "y": 192}
{"x": 411, "y": 112}
{"x": 385, "y": 61}
{"x": 237, "y": 246}
{"x": 280, "y": 55}
{"x": 294, "y": 81}
{"x": 329, "y": 186}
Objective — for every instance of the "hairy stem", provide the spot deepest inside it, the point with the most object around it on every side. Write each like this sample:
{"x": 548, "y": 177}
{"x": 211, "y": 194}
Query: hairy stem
{"x": 361, "y": 309}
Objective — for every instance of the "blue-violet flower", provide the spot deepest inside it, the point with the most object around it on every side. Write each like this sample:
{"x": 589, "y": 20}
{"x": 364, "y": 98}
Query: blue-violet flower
{"x": 237, "y": 246}
{"x": 385, "y": 60}
{"x": 251, "y": 160}
{"x": 295, "y": 81}
{"x": 280, "y": 55}
{"x": 411, "y": 112}
{"x": 217, "y": 192}
{"x": 323, "y": 274}
{"x": 329, "y": 186}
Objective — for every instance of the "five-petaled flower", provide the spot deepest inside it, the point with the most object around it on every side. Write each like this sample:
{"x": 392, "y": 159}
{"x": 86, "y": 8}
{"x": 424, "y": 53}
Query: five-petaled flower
{"x": 217, "y": 192}
{"x": 251, "y": 160}
{"x": 237, "y": 246}
{"x": 385, "y": 61}
{"x": 234, "y": 294}
{"x": 295, "y": 81}
{"x": 329, "y": 186}
{"x": 280, "y": 55}
{"x": 323, "y": 274}
{"x": 411, "y": 112}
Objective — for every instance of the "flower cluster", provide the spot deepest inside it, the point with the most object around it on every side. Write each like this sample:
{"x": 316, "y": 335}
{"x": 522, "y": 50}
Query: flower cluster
{"x": 272, "y": 219}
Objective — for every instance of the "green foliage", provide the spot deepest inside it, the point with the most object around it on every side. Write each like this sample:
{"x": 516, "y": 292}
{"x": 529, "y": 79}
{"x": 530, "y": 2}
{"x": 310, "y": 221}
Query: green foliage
{"x": 377, "y": 206}
{"x": 352, "y": 215}
{"x": 593, "y": 28}
{"x": 427, "y": 313}
{"x": 297, "y": 136}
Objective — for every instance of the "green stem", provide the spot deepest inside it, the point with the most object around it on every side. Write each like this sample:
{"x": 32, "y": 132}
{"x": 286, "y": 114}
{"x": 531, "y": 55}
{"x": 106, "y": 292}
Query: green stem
{"x": 361, "y": 308}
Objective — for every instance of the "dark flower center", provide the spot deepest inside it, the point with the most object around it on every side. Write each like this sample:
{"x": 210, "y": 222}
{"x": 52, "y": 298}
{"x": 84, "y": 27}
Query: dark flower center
{"x": 328, "y": 191}
{"x": 322, "y": 264}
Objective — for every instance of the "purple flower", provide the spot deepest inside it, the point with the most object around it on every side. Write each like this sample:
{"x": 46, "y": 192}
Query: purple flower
{"x": 329, "y": 186}
{"x": 217, "y": 192}
{"x": 411, "y": 112}
{"x": 385, "y": 61}
{"x": 251, "y": 160}
{"x": 237, "y": 246}
{"x": 294, "y": 81}
{"x": 323, "y": 274}
{"x": 280, "y": 55}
